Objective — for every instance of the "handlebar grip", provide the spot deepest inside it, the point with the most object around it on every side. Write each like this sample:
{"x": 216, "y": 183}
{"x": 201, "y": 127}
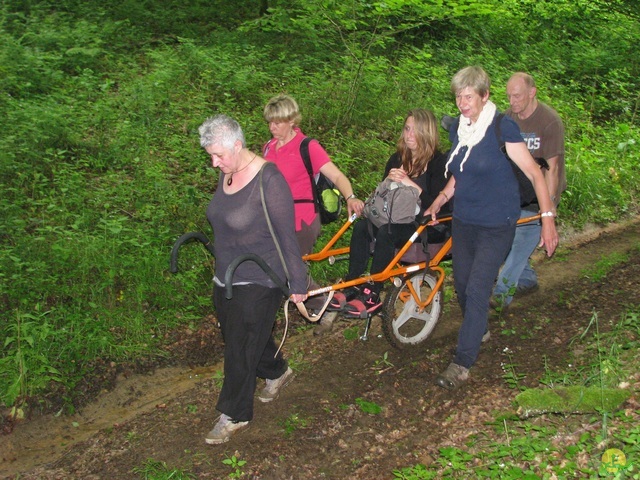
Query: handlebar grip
{"x": 228, "y": 275}
{"x": 201, "y": 237}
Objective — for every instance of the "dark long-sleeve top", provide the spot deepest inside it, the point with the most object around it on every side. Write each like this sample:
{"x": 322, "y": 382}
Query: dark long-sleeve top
{"x": 240, "y": 227}
{"x": 432, "y": 181}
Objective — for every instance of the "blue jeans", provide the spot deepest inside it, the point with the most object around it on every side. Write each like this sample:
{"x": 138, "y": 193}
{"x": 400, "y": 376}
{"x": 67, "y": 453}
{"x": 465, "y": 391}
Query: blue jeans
{"x": 516, "y": 271}
{"x": 477, "y": 255}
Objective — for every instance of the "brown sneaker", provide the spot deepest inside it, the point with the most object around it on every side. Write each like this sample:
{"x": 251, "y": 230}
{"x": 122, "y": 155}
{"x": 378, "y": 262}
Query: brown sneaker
{"x": 486, "y": 336}
{"x": 326, "y": 323}
{"x": 454, "y": 376}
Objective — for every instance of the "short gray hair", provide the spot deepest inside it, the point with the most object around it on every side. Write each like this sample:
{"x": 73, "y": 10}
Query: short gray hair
{"x": 474, "y": 77}
{"x": 221, "y": 130}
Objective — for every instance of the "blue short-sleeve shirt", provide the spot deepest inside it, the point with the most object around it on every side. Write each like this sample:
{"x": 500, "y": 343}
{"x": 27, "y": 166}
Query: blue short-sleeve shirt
{"x": 487, "y": 191}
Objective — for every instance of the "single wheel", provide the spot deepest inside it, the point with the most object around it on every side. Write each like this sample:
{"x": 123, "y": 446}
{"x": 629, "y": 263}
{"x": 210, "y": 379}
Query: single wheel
{"x": 403, "y": 324}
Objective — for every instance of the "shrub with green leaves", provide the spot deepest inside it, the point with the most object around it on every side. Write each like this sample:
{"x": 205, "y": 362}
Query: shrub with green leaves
{"x": 101, "y": 170}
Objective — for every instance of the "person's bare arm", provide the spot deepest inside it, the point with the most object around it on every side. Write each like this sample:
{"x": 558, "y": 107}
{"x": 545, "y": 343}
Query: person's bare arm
{"x": 342, "y": 183}
{"x": 443, "y": 197}
{"x": 520, "y": 155}
{"x": 552, "y": 180}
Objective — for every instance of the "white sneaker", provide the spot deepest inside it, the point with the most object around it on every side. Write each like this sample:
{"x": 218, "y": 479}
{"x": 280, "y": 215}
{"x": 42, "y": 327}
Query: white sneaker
{"x": 272, "y": 389}
{"x": 223, "y": 430}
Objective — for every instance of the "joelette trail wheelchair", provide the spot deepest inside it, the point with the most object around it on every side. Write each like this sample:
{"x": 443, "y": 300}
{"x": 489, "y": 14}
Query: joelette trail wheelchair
{"x": 413, "y": 299}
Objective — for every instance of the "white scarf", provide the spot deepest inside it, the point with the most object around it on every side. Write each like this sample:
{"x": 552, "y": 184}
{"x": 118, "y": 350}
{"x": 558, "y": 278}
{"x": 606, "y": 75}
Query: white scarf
{"x": 470, "y": 134}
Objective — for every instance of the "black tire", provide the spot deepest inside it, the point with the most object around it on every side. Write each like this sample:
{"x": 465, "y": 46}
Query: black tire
{"x": 403, "y": 325}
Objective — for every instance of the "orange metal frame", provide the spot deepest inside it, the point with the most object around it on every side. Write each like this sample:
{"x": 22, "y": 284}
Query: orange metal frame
{"x": 395, "y": 268}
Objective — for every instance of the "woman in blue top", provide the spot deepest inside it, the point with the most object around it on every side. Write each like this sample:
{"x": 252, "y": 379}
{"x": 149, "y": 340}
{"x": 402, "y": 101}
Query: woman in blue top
{"x": 486, "y": 209}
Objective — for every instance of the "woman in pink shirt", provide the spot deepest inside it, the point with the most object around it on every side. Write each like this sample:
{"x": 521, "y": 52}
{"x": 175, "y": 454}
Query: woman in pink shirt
{"x": 283, "y": 115}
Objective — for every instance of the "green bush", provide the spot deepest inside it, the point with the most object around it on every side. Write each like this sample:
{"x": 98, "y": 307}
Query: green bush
{"x": 102, "y": 171}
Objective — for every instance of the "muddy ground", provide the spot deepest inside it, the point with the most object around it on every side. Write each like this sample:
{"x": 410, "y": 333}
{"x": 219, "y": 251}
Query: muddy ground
{"x": 317, "y": 428}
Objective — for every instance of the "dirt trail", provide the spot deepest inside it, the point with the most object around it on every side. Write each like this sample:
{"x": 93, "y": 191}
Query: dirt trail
{"x": 163, "y": 415}
{"x": 39, "y": 440}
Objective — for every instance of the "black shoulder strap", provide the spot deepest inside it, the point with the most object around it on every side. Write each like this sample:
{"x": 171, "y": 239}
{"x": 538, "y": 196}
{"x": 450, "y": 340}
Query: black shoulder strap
{"x": 306, "y": 158}
{"x": 498, "y": 120}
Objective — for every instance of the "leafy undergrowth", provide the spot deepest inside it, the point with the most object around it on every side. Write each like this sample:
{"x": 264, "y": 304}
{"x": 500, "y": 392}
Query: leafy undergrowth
{"x": 361, "y": 410}
{"x": 102, "y": 169}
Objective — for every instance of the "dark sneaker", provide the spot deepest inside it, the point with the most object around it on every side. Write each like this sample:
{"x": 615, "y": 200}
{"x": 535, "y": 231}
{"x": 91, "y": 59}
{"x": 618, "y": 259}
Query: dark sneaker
{"x": 454, "y": 376}
{"x": 365, "y": 304}
{"x": 273, "y": 387}
{"x": 223, "y": 430}
{"x": 523, "y": 291}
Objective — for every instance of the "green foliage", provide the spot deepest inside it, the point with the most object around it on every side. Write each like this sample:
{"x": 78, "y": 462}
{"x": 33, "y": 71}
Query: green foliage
{"x": 371, "y": 408}
{"x": 156, "y": 470}
{"x": 26, "y": 364}
{"x": 294, "y": 422}
{"x": 382, "y": 363}
{"x": 511, "y": 376}
{"x": 351, "y": 333}
{"x": 599, "y": 359}
{"x": 236, "y": 466}
{"x": 102, "y": 171}
{"x": 552, "y": 445}
{"x": 417, "y": 472}
{"x": 605, "y": 265}
{"x": 600, "y": 181}
{"x": 576, "y": 399}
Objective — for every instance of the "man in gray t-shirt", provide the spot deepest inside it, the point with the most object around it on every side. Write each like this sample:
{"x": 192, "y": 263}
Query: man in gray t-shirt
{"x": 543, "y": 132}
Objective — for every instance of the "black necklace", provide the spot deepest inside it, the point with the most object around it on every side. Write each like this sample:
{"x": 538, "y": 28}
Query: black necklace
{"x": 230, "y": 180}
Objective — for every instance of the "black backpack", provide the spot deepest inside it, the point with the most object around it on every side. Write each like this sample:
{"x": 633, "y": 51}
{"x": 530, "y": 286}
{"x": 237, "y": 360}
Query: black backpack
{"x": 527, "y": 193}
{"x": 326, "y": 197}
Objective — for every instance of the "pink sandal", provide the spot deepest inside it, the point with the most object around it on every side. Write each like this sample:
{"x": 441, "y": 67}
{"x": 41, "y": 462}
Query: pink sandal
{"x": 365, "y": 304}
{"x": 340, "y": 299}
